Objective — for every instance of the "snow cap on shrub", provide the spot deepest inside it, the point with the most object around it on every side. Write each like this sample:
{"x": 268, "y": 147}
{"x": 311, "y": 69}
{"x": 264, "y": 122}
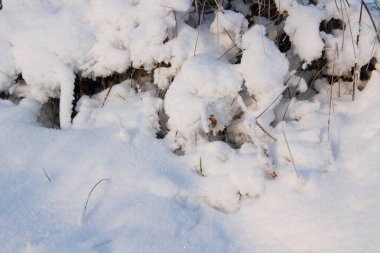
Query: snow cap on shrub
{"x": 205, "y": 86}
{"x": 147, "y": 43}
{"x": 229, "y": 21}
{"x": 263, "y": 66}
{"x": 302, "y": 26}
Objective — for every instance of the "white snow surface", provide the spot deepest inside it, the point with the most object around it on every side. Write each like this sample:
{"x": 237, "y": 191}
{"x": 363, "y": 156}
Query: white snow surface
{"x": 104, "y": 182}
{"x": 154, "y": 201}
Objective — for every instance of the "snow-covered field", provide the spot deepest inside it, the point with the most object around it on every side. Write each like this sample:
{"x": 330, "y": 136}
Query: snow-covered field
{"x": 234, "y": 172}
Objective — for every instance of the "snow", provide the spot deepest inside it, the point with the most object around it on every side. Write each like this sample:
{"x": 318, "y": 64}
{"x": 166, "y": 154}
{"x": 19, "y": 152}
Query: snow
{"x": 120, "y": 107}
{"x": 302, "y": 26}
{"x": 263, "y": 66}
{"x": 179, "y": 5}
{"x": 134, "y": 209}
{"x": 155, "y": 201}
{"x": 231, "y": 22}
{"x": 344, "y": 51}
{"x": 264, "y": 69}
{"x": 244, "y": 166}
{"x": 205, "y": 86}
{"x": 50, "y": 41}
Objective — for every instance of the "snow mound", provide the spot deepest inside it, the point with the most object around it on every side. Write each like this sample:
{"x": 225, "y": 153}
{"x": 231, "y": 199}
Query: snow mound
{"x": 263, "y": 66}
{"x": 229, "y": 177}
{"x": 231, "y": 22}
{"x": 302, "y": 26}
{"x": 120, "y": 106}
{"x": 201, "y": 96}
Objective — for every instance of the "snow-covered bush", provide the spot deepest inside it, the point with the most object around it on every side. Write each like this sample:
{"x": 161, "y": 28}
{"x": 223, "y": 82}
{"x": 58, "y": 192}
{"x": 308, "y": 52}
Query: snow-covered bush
{"x": 47, "y": 42}
{"x": 210, "y": 75}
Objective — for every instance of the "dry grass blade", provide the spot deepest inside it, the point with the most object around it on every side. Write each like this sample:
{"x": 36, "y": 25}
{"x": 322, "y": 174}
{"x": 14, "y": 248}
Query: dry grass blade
{"x": 46, "y": 174}
{"x": 373, "y": 21}
{"x": 102, "y": 243}
{"x": 339, "y": 79}
{"x": 279, "y": 95}
{"x": 360, "y": 23}
{"x": 201, "y": 167}
{"x": 120, "y": 96}
{"x": 199, "y": 26}
{"x": 355, "y": 80}
{"x": 336, "y": 5}
{"x": 290, "y": 152}
{"x": 283, "y": 130}
{"x": 261, "y": 28}
{"x": 349, "y": 25}
{"x": 356, "y": 62}
{"x": 229, "y": 36}
{"x": 217, "y": 23}
{"x": 88, "y": 197}
{"x": 344, "y": 27}
{"x": 225, "y": 53}
{"x": 315, "y": 77}
{"x": 348, "y": 4}
{"x": 330, "y": 103}
{"x": 175, "y": 29}
{"x": 108, "y": 93}
{"x": 265, "y": 131}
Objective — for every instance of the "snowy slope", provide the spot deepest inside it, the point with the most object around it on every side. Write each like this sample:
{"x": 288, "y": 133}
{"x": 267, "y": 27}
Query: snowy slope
{"x": 151, "y": 201}
{"x": 146, "y": 205}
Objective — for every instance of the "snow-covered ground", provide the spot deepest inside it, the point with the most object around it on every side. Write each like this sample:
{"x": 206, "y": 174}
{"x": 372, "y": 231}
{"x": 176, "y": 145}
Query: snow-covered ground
{"x": 152, "y": 200}
{"x": 105, "y": 183}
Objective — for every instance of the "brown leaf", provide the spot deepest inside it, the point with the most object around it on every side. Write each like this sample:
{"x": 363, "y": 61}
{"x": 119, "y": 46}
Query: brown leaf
{"x": 213, "y": 121}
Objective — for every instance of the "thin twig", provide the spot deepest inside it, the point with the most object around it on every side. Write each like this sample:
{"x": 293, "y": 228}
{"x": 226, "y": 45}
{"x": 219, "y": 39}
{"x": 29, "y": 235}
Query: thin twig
{"x": 88, "y": 197}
